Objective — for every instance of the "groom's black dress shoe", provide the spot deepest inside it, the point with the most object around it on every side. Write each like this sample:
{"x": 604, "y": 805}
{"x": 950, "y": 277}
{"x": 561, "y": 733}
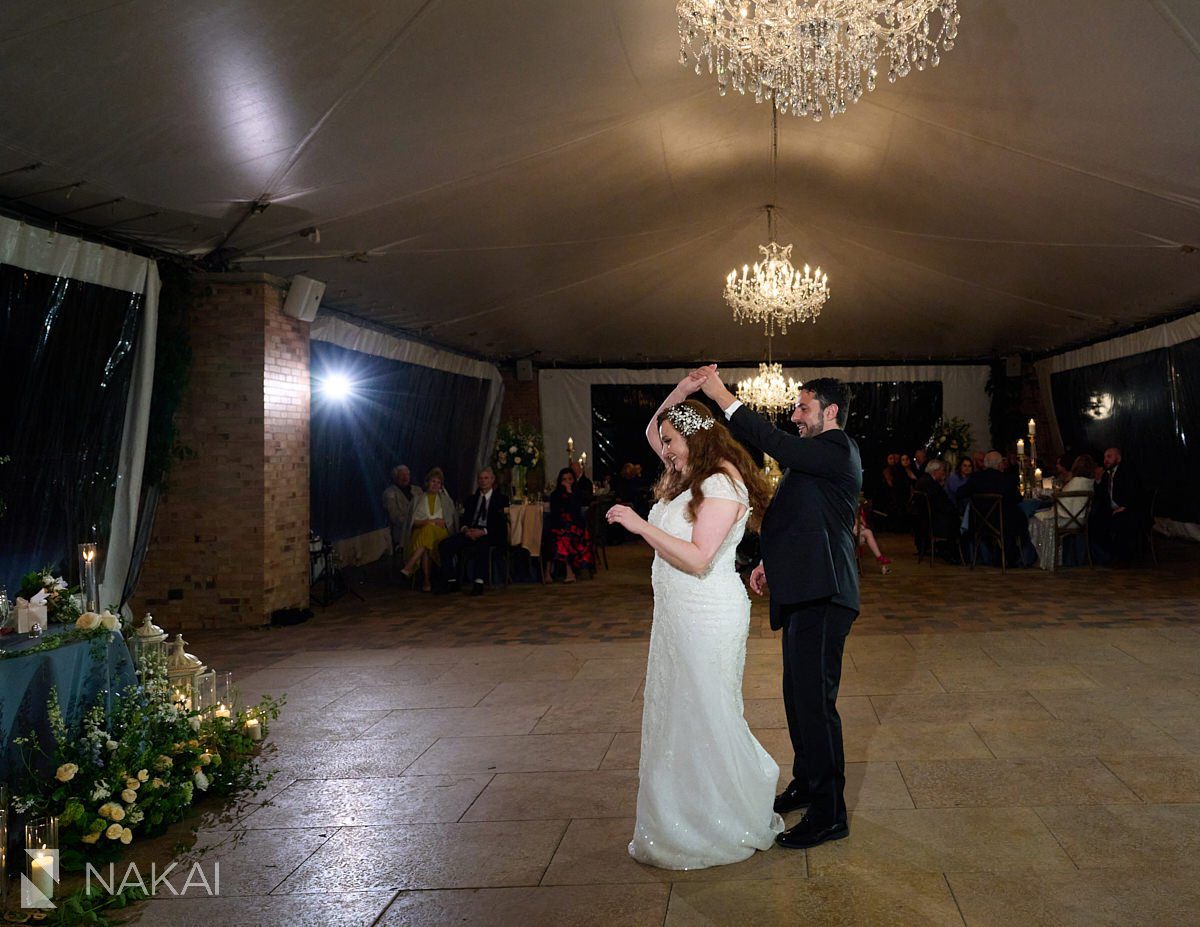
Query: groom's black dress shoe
{"x": 791, "y": 799}
{"x": 808, "y": 834}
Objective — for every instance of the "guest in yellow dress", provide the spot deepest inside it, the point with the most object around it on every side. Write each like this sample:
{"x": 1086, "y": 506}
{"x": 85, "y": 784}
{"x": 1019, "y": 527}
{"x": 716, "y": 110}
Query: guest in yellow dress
{"x": 432, "y": 518}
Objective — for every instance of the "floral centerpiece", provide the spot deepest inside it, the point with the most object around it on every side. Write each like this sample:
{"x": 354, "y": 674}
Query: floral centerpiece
{"x": 58, "y": 597}
{"x": 518, "y": 449}
{"x": 951, "y": 439}
{"x": 138, "y": 770}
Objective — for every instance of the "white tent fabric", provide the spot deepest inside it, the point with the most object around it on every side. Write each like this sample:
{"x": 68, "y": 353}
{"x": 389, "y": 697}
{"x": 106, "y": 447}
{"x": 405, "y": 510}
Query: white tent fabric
{"x": 1171, "y": 333}
{"x": 545, "y": 177}
{"x": 61, "y": 255}
{"x": 333, "y": 329}
{"x": 566, "y": 395}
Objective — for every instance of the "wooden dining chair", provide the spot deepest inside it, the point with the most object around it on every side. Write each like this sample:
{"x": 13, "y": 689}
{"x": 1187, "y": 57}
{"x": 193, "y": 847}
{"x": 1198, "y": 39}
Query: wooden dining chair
{"x": 1068, "y": 523}
{"x": 987, "y": 520}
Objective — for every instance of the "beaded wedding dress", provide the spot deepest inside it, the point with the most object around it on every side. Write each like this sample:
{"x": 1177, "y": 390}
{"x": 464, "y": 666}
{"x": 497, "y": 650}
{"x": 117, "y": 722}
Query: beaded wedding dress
{"x": 706, "y": 784}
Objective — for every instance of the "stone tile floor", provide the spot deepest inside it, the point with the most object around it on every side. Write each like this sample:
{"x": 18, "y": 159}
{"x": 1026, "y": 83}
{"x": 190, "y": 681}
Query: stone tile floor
{"x": 1023, "y": 749}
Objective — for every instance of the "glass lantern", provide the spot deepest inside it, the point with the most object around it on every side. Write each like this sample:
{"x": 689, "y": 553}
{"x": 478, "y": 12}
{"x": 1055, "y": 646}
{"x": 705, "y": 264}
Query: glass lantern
{"x": 41, "y": 856}
{"x": 204, "y": 688}
{"x": 226, "y": 693}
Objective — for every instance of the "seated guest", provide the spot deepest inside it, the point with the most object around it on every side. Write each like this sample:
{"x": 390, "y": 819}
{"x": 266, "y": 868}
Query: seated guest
{"x": 907, "y": 468}
{"x": 992, "y": 479}
{"x": 956, "y": 480}
{"x": 484, "y": 528}
{"x": 920, "y": 459}
{"x": 977, "y": 460}
{"x": 431, "y": 520}
{"x": 944, "y": 517}
{"x": 397, "y": 502}
{"x": 583, "y": 486}
{"x": 1041, "y": 526}
{"x": 1063, "y": 468}
{"x": 1121, "y": 507}
{"x": 568, "y": 527}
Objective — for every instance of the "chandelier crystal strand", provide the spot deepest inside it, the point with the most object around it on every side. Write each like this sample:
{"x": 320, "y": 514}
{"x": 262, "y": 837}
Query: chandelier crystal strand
{"x": 812, "y": 56}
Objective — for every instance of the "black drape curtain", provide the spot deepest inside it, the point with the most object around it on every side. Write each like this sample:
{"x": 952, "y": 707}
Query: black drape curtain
{"x": 397, "y": 413}
{"x": 619, "y": 416}
{"x": 888, "y": 418}
{"x": 883, "y": 417}
{"x": 1148, "y": 405}
{"x": 66, "y": 361}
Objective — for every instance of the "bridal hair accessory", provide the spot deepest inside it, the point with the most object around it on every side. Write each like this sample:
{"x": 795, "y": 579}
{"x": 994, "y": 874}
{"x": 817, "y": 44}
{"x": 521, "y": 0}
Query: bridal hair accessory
{"x": 688, "y": 421}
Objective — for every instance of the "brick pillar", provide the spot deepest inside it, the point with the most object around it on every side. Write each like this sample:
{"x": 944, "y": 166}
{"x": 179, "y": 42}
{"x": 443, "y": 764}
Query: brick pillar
{"x": 230, "y": 540}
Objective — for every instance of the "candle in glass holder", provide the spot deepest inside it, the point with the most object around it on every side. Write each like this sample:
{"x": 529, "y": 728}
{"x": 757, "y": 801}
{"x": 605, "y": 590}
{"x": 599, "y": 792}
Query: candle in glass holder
{"x": 87, "y": 577}
{"x": 222, "y": 712}
{"x": 253, "y": 729}
{"x": 41, "y": 840}
{"x": 1021, "y": 446}
{"x": 41, "y": 874}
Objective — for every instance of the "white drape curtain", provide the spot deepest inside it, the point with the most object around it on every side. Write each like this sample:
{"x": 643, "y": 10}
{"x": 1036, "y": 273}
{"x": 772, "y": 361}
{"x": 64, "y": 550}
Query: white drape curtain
{"x": 59, "y": 255}
{"x": 566, "y": 395}
{"x": 1149, "y": 339}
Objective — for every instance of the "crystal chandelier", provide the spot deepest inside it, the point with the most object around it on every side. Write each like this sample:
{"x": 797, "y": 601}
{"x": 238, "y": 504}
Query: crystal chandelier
{"x": 773, "y": 292}
{"x": 769, "y": 392}
{"x": 811, "y": 55}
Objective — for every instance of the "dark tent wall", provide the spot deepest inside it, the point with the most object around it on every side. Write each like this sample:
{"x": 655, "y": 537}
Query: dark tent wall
{"x": 1139, "y": 392}
{"x": 396, "y": 413}
{"x": 66, "y": 352}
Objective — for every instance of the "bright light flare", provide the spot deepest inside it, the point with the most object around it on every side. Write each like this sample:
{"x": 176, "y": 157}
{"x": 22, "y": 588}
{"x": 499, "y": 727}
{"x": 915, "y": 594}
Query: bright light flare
{"x": 337, "y": 386}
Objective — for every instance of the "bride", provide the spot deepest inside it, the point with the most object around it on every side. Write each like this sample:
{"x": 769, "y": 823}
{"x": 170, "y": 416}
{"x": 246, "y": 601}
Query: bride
{"x": 706, "y": 785}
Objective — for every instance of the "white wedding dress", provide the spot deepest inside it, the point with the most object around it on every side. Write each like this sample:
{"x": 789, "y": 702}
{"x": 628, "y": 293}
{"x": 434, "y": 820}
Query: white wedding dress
{"x": 706, "y": 784}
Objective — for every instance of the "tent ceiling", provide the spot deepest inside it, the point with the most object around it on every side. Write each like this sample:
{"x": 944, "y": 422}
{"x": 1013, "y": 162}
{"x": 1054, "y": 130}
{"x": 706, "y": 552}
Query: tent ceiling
{"x": 544, "y": 176}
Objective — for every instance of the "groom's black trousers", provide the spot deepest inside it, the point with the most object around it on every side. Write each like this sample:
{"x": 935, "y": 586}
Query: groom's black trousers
{"x": 814, "y": 636}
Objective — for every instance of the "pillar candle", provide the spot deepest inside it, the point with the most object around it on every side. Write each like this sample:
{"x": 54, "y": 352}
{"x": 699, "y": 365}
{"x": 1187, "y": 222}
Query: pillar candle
{"x": 1032, "y": 428}
{"x": 1020, "y": 445}
{"x": 41, "y": 873}
{"x": 570, "y": 445}
{"x": 254, "y": 729}
{"x": 222, "y": 712}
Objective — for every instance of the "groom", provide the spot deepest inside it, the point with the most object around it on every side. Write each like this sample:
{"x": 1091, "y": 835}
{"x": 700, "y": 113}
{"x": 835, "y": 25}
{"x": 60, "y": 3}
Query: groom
{"x": 808, "y": 561}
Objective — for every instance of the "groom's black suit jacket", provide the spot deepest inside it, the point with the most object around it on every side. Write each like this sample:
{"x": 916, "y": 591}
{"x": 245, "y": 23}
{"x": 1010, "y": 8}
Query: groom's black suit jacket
{"x": 807, "y": 534}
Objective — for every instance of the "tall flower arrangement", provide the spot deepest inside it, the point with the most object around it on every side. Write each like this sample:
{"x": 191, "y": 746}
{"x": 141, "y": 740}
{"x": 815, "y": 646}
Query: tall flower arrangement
{"x": 951, "y": 439}
{"x": 517, "y": 445}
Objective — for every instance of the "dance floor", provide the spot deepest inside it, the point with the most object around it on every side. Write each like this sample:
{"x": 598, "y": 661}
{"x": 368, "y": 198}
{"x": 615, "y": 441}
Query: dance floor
{"x": 1023, "y": 749}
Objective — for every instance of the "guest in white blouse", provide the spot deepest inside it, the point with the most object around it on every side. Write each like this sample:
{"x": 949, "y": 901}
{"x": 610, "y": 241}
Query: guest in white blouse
{"x": 432, "y": 519}
{"x": 1042, "y": 524}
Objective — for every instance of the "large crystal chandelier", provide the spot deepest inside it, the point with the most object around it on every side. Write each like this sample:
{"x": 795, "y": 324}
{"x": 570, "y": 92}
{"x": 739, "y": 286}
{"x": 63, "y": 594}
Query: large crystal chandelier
{"x": 812, "y": 56}
{"x": 773, "y": 293}
{"x": 769, "y": 392}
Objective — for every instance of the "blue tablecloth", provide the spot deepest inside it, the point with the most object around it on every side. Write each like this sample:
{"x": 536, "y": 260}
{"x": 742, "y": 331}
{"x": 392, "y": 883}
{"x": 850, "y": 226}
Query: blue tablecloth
{"x": 81, "y": 671}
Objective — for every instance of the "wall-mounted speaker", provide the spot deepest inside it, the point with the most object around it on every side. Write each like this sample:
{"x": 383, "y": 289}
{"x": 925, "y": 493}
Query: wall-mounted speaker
{"x": 525, "y": 370}
{"x": 1012, "y": 365}
{"x": 303, "y": 298}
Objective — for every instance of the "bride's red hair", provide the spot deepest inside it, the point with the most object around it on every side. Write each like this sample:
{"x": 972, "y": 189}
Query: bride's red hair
{"x": 709, "y": 449}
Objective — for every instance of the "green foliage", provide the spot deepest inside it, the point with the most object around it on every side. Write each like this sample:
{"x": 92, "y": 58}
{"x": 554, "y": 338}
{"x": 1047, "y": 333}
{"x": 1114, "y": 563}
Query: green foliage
{"x": 84, "y": 907}
{"x": 138, "y": 770}
{"x": 950, "y": 436}
{"x": 60, "y": 602}
{"x": 172, "y": 367}
{"x": 54, "y": 641}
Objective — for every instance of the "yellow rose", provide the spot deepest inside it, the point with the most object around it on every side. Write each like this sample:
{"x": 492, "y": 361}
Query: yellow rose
{"x": 88, "y": 621}
{"x": 109, "y": 621}
{"x": 66, "y": 772}
{"x": 126, "y": 836}
{"x": 129, "y": 796}
{"x": 117, "y": 813}
{"x": 157, "y": 783}
{"x": 205, "y": 759}
{"x": 114, "y": 831}
{"x": 105, "y": 810}
{"x": 91, "y": 838}
{"x": 132, "y": 783}
{"x": 143, "y": 775}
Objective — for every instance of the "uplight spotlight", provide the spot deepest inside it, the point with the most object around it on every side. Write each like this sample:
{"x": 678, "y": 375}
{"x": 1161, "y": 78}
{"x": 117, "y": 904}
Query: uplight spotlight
{"x": 337, "y": 386}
